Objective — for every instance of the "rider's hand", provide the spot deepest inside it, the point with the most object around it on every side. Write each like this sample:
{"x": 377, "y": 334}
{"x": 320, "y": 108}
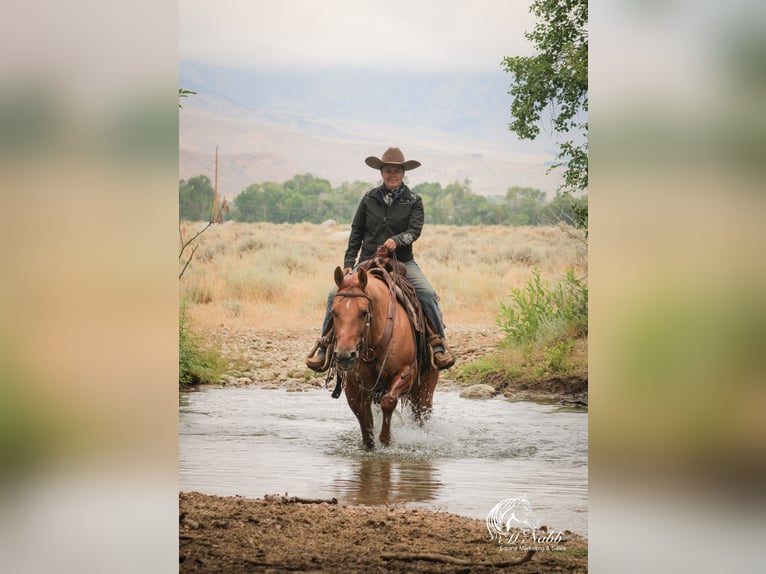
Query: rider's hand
{"x": 347, "y": 271}
{"x": 390, "y": 244}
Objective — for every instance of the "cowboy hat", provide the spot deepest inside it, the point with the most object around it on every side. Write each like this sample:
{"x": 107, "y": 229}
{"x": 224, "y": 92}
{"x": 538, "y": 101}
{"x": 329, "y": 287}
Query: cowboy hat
{"x": 392, "y": 156}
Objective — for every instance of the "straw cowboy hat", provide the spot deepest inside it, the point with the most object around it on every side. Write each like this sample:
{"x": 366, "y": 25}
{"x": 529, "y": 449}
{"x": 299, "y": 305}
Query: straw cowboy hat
{"x": 392, "y": 156}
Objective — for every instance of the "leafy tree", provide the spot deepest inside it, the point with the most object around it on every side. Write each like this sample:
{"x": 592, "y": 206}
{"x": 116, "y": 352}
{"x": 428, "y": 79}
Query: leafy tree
{"x": 433, "y": 202}
{"x": 248, "y": 203}
{"x": 305, "y": 198}
{"x": 307, "y": 184}
{"x": 340, "y": 205}
{"x": 556, "y": 77}
{"x": 564, "y": 208}
{"x": 182, "y": 93}
{"x": 195, "y": 198}
{"x": 524, "y": 205}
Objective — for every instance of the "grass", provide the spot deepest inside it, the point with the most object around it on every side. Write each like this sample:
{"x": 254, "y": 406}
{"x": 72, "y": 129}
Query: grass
{"x": 526, "y": 365}
{"x": 485, "y": 368}
{"x": 196, "y": 364}
{"x": 273, "y": 275}
{"x": 280, "y": 273}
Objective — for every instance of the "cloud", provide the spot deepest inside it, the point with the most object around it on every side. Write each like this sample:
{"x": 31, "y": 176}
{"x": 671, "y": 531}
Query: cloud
{"x": 437, "y": 35}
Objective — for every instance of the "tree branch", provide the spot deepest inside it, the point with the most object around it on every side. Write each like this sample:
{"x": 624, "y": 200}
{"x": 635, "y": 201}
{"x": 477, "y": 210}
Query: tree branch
{"x": 185, "y": 245}
{"x": 191, "y": 256}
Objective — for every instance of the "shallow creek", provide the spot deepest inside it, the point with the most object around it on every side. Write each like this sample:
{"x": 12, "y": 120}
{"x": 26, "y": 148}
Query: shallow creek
{"x": 471, "y": 455}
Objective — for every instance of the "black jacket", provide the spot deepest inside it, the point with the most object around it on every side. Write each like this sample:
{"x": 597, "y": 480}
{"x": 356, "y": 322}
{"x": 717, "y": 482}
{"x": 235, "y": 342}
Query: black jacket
{"x": 375, "y": 222}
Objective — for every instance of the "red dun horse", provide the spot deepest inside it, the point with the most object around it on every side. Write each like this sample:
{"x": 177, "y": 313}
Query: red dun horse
{"x": 376, "y": 352}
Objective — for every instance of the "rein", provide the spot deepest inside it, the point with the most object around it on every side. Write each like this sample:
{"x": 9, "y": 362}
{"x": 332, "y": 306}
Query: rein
{"x": 370, "y": 353}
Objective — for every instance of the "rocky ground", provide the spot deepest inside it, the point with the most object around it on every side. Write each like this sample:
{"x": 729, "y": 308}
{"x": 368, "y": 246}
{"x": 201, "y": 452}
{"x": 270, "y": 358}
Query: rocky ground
{"x": 275, "y": 358}
{"x": 234, "y": 534}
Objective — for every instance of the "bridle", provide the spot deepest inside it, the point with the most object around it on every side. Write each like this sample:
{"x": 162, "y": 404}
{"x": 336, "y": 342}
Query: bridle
{"x": 365, "y": 351}
{"x": 365, "y": 354}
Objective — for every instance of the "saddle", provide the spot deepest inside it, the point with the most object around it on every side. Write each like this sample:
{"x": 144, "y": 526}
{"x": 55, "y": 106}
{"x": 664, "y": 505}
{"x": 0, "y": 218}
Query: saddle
{"x": 394, "y": 273}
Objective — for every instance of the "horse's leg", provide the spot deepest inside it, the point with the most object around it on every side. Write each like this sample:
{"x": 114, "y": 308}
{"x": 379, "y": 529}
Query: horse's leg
{"x": 402, "y": 382}
{"x": 363, "y": 412}
{"x": 423, "y": 396}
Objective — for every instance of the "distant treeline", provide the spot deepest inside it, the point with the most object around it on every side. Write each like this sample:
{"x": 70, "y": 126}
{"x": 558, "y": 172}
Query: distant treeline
{"x": 305, "y": 198}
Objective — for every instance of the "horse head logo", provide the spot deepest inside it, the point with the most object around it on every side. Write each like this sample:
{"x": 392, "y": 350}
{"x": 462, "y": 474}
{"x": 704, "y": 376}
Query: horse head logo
{"x": 511, "y": 513}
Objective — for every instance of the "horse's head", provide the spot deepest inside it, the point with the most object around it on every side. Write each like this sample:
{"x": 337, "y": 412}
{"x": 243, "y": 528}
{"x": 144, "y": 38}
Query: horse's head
{"x": 351, "y": 315}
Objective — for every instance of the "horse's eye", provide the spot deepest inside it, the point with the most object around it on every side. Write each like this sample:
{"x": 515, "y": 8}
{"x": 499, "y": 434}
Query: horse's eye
{"x": 363, "y": 313}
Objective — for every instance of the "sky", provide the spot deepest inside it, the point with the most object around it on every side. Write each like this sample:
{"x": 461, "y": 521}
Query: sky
{"x": 413, "y": 35}
{"x": 433, "y": 67}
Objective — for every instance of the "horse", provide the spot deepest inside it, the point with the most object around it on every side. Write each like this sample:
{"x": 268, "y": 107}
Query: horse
{"x": 376, "y": 352}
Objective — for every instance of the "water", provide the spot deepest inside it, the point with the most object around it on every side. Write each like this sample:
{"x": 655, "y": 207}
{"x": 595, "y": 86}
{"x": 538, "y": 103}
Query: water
{"x": 471, "y": 455}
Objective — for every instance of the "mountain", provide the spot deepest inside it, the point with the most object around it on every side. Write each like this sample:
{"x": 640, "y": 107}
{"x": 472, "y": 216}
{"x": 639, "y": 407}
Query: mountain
{"x": 271, "y": 126}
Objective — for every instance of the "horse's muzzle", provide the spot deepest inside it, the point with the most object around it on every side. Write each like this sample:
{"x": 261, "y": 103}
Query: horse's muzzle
{"x": 345, "y": 359}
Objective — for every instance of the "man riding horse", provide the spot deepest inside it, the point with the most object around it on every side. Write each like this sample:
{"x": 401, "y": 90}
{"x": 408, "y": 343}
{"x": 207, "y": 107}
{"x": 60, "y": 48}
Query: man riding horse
{"x": 389, "y": 216}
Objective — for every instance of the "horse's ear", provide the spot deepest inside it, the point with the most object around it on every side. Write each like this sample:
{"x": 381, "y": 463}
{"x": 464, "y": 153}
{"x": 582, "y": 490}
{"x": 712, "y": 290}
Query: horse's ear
{"x": 338, "y": 277}
{"x": 362, "y": 275}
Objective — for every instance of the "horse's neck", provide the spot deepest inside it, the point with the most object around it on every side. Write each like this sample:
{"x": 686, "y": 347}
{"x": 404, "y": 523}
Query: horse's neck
{"x": 379, "y": 292}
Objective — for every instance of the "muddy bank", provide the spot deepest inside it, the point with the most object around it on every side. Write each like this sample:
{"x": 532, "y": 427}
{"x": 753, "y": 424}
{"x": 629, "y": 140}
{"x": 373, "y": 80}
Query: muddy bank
{"x": 275, "y": 358}
{"x": 234, "y": 534}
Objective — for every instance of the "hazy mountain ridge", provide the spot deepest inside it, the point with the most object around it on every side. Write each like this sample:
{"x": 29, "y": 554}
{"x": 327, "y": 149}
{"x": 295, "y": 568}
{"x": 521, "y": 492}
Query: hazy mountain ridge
{"x": 272, "y": 126}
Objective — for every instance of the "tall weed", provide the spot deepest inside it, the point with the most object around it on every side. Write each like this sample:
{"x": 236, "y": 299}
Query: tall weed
{"x": 539, "y": 313}
{"x": 195, "y": 364}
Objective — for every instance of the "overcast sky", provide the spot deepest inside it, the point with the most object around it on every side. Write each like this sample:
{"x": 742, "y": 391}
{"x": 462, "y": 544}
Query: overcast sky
{"x": 420, "y": 35}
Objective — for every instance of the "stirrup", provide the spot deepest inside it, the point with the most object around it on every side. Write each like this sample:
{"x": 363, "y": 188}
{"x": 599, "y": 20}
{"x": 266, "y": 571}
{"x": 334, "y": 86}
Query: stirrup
{"x": 448, "y": 358}
{"x": 313, "y": 362}
{"x": 324, "y": 341}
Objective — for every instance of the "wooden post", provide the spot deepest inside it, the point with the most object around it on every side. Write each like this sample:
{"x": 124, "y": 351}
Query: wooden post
{"x": 215, "y": 189}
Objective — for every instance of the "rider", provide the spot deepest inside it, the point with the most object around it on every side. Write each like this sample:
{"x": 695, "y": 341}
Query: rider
{"x": 391, "y": 216}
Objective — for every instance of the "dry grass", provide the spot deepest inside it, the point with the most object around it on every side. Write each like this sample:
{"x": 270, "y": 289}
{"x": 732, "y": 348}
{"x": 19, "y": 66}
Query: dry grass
{"x": 276, "y": 275}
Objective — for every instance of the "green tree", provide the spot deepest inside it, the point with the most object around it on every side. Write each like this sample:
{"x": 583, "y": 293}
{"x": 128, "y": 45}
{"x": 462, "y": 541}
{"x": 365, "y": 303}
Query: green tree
{"x": 306, "y": 184}
{"x": 564, "y": 208}
{"x": 341, "y": 203}
{"x": 195, "y": 198}
{"x": 182, "y": 93}
{"x": 433, "y": 202}
{"x": 524, "y": 205}
{"x": 456, "y": 194}
{"x": 556, "y": 77}
{"x": 248, "y": 204}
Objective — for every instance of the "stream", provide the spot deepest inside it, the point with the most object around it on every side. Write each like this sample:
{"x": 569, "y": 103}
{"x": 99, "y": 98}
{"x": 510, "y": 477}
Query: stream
{"x": 470, "y": 456}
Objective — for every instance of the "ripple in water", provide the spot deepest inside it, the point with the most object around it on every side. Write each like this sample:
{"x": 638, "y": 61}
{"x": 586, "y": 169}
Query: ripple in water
{"x": 468, "y": 457}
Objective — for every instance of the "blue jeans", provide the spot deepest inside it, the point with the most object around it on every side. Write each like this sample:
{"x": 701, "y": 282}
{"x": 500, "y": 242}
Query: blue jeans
{"x": 428, "y": 298}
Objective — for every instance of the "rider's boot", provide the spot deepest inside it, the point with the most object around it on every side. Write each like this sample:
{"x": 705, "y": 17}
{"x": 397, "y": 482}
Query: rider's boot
{"x": 318, "y": 359}
{"x": 442, "y": 356}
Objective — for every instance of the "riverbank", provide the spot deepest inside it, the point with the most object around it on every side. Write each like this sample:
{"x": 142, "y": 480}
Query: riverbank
{"x": 274, "y": 358}
{"x": 235, "y": 534}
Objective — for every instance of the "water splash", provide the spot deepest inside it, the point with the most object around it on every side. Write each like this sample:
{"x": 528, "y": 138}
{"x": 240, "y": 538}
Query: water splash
{"x": 469, "y": 456}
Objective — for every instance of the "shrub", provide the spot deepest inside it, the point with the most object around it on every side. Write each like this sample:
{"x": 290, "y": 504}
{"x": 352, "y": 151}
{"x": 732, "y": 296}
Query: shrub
{"x": 557, "y": 355}
{"x": 251, "y": 284}
{"x": 482, "y": 370}
{"x": 198, "y": 292}
{"x": 233, "y": 308}
{"x": 195, "y": 364}
{"x": 540, "y": 313}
